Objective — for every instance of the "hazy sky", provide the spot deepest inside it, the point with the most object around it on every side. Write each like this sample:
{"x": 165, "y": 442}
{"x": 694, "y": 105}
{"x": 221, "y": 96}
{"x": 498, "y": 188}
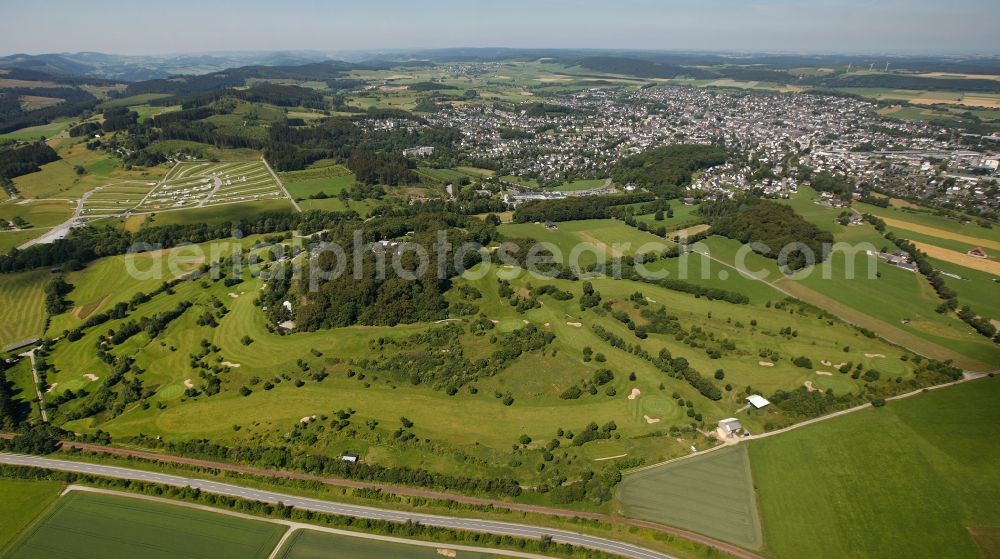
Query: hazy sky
{"x": 147, "y": 27}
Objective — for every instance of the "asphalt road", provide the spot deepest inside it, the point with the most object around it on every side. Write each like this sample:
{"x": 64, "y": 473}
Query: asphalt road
{"x": 317, "y": 505}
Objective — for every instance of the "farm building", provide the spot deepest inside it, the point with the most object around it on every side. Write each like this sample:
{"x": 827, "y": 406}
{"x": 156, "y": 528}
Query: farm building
{"x": 731, "y": 427}
{"x": 757, "y": 401}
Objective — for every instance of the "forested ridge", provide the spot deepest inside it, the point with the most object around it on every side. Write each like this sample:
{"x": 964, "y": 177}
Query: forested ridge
{"x": 748, "y": 219}
{"x": 667, "y": 171}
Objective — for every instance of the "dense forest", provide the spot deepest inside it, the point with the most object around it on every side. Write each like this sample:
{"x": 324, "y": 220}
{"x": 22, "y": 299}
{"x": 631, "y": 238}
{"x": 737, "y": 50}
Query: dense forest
{"x": 667, "y": 171}
{"x": 89, "y": 243}
{"x": 570, "y": 209}
{"x": 18, "y": 161}
{"x": 752, "y": 220}
{"x": 380, "y": 292}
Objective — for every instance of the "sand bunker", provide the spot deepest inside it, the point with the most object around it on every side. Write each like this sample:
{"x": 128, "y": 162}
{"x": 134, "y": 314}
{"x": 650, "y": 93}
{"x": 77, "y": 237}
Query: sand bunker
{"x": 809, "y": 386}
{"x": 188, "y": 383}
{"x": 230, "y": 365}
{"x": 307, "y": 419}
{"x": 839, "y": 365}
{"x": 91, "y": 377}
{"x": 233, "y": 295}
{"x": 651, "y": 420}
{"x": 447, "y": 552}
{"x": 824, "y": 373}
{"x": 875, "y": 355}
{"x": 635, "y": 394}
{"x": 574, "y": 324}
{"x": 765, "y": 363}
{"x": 51, "y": 387}
{"x": 826, "y": 363}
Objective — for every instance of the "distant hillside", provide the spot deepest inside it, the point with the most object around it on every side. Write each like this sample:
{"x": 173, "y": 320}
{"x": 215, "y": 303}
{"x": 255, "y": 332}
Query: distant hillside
{"x": 138, "y": 68}
{"x": 640, "y": 68}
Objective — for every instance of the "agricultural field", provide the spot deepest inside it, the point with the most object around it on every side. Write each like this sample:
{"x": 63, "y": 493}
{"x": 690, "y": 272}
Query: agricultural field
{"x": 22, "y": 300}
{"x": 197, "y": 185}
{"x": 911, "y": 479}
{"x": 311, "y": 544}
{"x": 85, "y": 524}
{"x": 320, "y": 178}
{"x": 711, "y": 494}
{"x": 23, "y": 501}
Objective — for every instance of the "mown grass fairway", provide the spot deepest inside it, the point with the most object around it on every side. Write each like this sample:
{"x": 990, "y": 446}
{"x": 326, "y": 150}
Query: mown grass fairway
{"x": 711, "y": 494}
{"x": 83, "y": 525}
{"x": 907, "y": 480}
{"x": 309, "y": 544}
{"x": 21, "y": 502}
{"x": 22, "y": 303}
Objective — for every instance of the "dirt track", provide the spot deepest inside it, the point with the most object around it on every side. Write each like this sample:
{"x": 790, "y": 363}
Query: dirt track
{"x": 953, "y": 256}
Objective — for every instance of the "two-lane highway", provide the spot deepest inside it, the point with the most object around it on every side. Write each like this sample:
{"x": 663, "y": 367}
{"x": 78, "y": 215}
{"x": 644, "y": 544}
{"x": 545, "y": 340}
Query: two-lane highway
{"x": 317, "y": 505}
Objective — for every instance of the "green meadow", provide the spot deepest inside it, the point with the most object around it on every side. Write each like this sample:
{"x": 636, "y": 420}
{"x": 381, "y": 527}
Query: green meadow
{"x": 912, "y": 479}
{"x": 83, "y": 524}
{"x": 21, "y": 502}
{"x": 265, "y": 415}
{"x": 311, "y": 544}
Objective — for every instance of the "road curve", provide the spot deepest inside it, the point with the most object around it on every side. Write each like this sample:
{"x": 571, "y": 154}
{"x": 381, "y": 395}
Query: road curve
{"x": 317, "y": 505}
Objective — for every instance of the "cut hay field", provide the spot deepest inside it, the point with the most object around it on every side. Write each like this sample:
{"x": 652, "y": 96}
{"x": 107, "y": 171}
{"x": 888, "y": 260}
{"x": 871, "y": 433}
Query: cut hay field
{"x": 21, "y": 502}
{"x": 311, "y": 544}
{"x": 911, "y": 479}
{"x": 22, "y": 303}
{"x": 923, "y": 221}
{"x": 987, "y": 265}
{"x": 711, "y": 494}
{"x": 84, "y": 524}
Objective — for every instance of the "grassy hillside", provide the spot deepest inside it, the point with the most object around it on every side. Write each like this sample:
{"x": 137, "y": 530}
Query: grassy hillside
{"x": 911, "y": 479}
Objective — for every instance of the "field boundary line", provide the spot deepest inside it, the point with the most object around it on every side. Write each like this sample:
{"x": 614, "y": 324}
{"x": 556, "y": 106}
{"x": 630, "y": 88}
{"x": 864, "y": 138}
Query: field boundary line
{"x": 281, "y": 185}
{"x": 95, "y": 469}
{"x": 295, "y": 528}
